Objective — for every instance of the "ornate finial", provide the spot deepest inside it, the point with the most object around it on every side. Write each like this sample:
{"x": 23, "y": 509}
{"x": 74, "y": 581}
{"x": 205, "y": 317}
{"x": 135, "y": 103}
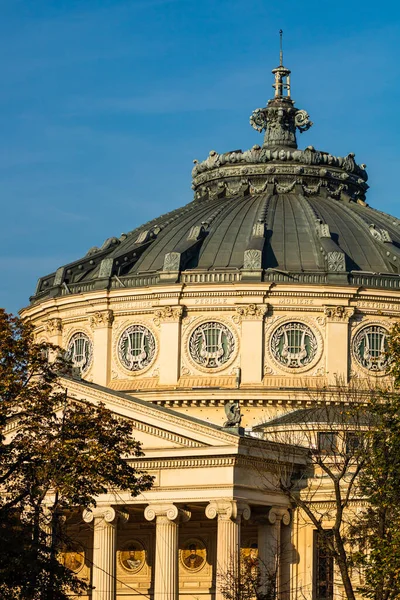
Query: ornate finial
{"x": 280, "y": 118}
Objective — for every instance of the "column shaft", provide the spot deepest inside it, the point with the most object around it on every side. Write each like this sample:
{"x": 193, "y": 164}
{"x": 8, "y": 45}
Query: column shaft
{"x": 166, "y": 582}
{"x": 104, "y": 548}
{"x": 228, "y": 552}
{"x": 268, "y": 553}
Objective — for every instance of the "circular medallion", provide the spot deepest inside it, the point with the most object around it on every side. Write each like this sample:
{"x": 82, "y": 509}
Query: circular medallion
{"x": 132, "y": 557}
{"x": 369, "y": 348}
{"x": 136, "y": 347}
{"x": 80, "y": 351}
{"x": 211, "y": 344}
{"x": 193, "y": 555}
{"x": 293, "y": 345}
{"x": 73, "y": 560}
{"x": 249, "y": 554}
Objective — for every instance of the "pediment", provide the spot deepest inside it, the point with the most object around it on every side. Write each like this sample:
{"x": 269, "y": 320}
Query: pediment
{"x": 155, "y": 427}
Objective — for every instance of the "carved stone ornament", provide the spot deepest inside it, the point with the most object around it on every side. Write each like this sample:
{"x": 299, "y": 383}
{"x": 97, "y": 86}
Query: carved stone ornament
{"x": 369, "y": 348}
{"x": 53, "y": 326}
{"x": 170, "y": 314}
{"x": 338, "y": 314}
{"x": 252, "y": 259}
{"x": 211, "y": 344}
{"x": 172, "y": 261}
{"x": 103, "y": 318}
{"x": 252, "y": 312}
{"x": 80, "y": 351}
{"x": 136, "y": 347}
{"x": 336, "y": 261}
{"x": 293, "y": 345}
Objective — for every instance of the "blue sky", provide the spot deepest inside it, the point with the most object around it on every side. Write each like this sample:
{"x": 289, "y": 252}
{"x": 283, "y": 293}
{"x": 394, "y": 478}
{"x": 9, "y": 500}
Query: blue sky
{"x": 104, "y": 104}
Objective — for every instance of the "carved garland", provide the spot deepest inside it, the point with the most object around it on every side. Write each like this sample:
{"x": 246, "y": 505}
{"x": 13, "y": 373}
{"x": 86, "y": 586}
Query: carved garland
{"x": 118, "y": 332}
{"x": 217, "y": 363}
{"x": 376, "y": 365}
{"x": 316, "y": 341}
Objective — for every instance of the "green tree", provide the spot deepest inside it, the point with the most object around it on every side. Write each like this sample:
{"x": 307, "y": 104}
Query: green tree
{"x": 377, "y": 531}
{"x": 55, "y": 455}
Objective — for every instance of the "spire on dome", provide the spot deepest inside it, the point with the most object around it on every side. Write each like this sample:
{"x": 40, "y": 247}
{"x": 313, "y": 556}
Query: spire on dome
{"x": 280, "y": 117}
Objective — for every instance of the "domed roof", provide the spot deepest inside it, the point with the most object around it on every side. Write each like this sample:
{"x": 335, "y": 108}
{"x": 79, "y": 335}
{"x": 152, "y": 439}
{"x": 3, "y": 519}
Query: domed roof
{"x": 272, "y": 213}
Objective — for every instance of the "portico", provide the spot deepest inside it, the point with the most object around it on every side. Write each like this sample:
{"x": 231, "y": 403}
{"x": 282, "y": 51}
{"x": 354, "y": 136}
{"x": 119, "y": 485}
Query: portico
{"x": 213, "y": 498}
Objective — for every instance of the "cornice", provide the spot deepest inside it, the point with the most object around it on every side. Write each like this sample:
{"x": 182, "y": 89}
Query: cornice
{"x": 146, "y": 409}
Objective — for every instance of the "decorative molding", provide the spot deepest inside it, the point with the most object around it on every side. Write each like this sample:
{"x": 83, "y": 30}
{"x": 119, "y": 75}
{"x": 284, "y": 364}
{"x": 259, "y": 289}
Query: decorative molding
{"x": 103, "y": 318}
{"x": 53, "y": 326}
{"x": 147, "y": 409}
{"x": 169, "y": 314}
{"x": 338, "y": 314}
{"x": 166, "y": 435}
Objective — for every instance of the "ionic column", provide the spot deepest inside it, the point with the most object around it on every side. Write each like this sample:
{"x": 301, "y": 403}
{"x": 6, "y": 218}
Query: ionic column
{"x": 101, "y": 324}
{"x": 271, "y": 554}
{"x": 229, "y": 514}
{"x": 251, "y": 317}
{"x": 168, "y": 318}
{"x": 337, "y": 343}
{"x": 166, "y": 579}
{"x": 104, "y": 550}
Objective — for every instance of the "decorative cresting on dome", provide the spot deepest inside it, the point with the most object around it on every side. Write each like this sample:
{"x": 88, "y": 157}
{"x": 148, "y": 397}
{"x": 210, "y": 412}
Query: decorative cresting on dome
{"x": 279, "y": 119}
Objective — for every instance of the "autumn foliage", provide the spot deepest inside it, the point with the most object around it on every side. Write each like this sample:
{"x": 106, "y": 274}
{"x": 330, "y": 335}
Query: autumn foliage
{"x": 55, "y": 455}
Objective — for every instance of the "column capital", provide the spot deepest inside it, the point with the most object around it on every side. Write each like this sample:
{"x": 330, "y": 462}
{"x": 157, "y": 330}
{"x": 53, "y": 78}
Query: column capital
{"x": 251, "y": 312}
{"x": 228, "y": 510}
{"x": 53, "y": 326}
{"x": 101, "y": 318}
{"x": 168, "y": 512}
{"x": 338, "y": 314}
{"x": 107, "y": 513}
{"x": 168, "y": 314}
{"x": 277, "y": 514}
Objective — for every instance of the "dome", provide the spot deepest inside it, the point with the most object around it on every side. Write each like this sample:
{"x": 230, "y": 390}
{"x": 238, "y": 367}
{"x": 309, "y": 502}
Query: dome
{"x": 273, "y": 213}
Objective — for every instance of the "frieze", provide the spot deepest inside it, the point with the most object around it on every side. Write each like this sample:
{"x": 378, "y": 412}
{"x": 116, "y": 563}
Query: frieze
{"x": 135, "y": 305}
{"x": 211, "y": 301}
{"x": 303, "y": 301}
{"x": 378, "y": 305}
{"x": 103, "y": 318}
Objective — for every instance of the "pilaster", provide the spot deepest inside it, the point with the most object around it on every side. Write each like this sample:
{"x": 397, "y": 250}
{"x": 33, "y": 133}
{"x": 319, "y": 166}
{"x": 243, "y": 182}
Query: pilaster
{"x": 167, "y": 518}
{"x": 229, "y": 513}
{"x": 53, "y": 328}
{"x": 337, "y": 343}
{"x": 168, "y": 318}
{"x": 101, "y": 324}
{"x": 104, "y": 521}
{"x": 251, "y": 317}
